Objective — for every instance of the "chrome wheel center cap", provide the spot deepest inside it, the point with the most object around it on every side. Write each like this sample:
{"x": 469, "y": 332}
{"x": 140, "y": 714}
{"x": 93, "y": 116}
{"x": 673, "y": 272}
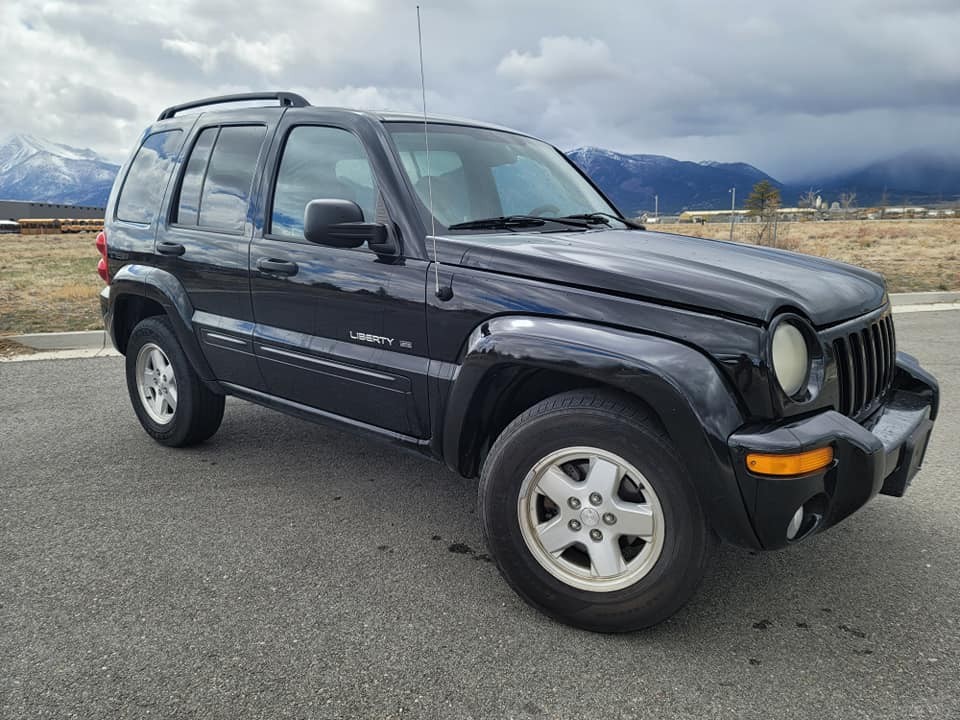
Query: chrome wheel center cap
{"x": 589, "y": 517}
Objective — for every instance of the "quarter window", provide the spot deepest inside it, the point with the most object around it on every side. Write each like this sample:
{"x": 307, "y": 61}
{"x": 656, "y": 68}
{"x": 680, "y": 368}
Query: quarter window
{"x": 147, "y": 178}
{"x": 319, "y": 163}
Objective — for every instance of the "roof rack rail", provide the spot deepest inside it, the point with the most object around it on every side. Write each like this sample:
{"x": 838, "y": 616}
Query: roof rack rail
{"x": 287, "y": 99}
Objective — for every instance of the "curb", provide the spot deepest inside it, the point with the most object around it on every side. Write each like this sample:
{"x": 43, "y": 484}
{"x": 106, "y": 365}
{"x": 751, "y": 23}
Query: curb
{"x": 62, "y": 355}
{"x": 924, "y": 298}
{"x": 79, "y": 340}
{"x": 98, "y": 340}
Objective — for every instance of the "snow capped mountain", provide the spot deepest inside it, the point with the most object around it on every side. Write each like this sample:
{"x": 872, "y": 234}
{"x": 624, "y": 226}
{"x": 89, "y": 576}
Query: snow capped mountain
{"x": 40, "y": 170}
{"x": 632, "y": 181}
{"x": 35, "y": 169}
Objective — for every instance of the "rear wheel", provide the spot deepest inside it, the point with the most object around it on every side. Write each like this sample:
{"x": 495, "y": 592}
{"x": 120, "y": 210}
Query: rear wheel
{"x": 590, "y": 514}
{"x": 171, "y": 402}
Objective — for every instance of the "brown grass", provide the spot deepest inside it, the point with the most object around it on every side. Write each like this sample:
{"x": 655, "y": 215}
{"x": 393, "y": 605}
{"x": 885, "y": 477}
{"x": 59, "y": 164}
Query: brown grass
{"x": 913, "y": 255}
{"x": 50, "y": 282}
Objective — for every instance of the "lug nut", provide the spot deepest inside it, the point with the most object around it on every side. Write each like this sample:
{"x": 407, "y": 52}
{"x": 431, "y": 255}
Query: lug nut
{"x": 574, "y": 503}
{"x": 595, "y": 498}
{"x": 609, "y": 518}
{"x": 596, "y": 535}
{"x": 574, "y": 525}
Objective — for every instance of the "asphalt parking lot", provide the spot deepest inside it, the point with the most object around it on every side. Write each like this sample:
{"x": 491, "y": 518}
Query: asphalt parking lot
{"x": 285, "y": 569}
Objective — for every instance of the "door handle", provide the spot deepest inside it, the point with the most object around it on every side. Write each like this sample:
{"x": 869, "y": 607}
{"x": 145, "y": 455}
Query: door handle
{"x": 277, "y": 267}
{"x": 169, "y": 248}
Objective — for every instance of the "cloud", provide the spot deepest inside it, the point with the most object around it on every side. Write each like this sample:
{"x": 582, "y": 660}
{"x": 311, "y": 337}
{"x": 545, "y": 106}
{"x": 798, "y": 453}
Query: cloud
{"x": 87, "y": 100}
{"x": 825, "y": 85}
{"x": 563, "y": 63}
{"x": 269, "y": 58}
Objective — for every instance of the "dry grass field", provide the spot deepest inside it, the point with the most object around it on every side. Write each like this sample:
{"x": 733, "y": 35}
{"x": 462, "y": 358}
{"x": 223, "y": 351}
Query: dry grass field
{"x": 913, "y": 255}
{"x": 50, "y": 282}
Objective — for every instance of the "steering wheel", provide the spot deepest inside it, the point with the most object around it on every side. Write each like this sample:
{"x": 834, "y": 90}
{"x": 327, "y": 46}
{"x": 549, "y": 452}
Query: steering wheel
{"x": 541, "y": 209}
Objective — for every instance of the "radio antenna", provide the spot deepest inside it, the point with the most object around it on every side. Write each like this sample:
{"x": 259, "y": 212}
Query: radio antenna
{"x": 426, "y": 143}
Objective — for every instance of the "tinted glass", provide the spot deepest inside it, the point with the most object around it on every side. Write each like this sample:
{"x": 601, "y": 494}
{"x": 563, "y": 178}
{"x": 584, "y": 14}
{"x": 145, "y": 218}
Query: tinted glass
{"x": 451, "y": 196}
{"x": 147, "y": 178}
{"x": 192, "y": 184}
{"x": 320, "y": 162}
{"x": 527, "y": 185}
{"x": 226, "y": 189}
{"x": 478, "y": 173}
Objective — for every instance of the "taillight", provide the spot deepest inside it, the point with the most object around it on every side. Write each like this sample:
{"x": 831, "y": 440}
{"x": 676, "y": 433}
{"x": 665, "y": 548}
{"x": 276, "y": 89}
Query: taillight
{"x": 103, "y": 270}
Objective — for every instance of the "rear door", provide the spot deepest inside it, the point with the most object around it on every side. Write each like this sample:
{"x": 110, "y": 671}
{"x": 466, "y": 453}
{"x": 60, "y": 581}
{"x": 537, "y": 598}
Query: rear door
{"x": 205, "y": 241}
{"x": 340, "y": 330}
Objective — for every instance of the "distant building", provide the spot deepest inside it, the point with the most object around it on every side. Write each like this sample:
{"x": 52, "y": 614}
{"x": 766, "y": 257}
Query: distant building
{"x": 23, "y": 209}
{"x": 791, "y": 213}
{"x": 709, "y": 215}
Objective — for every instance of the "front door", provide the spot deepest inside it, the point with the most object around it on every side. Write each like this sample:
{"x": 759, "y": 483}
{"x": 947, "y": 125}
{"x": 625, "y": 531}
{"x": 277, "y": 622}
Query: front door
{"x": 339, "y": 330}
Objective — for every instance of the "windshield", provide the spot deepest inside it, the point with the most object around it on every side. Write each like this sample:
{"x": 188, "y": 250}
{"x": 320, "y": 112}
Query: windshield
{"x": 479, "y": 175}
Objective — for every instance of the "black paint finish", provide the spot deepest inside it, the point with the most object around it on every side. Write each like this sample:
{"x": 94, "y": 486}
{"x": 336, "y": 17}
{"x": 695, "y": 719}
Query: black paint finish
{"x": 434, "y": 357}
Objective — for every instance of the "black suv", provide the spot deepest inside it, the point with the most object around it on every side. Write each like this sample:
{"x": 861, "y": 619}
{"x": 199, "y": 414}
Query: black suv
{"x": 465, "y": 291}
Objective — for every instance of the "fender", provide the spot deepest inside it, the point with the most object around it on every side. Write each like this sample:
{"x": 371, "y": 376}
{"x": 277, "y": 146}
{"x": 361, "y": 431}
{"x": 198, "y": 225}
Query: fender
{"x": 682, "y": 385}
{"x": 164, "y": 288}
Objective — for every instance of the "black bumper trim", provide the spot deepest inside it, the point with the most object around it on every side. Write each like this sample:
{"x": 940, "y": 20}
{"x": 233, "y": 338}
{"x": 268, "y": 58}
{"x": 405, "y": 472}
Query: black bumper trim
{"x": 881, "y": 455}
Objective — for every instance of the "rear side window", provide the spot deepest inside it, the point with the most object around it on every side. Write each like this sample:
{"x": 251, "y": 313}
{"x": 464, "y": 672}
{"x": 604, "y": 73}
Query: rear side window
{"x": 215, "y": 189}
{"x": 189, "y": 206}
{"x": 146, "y": 180}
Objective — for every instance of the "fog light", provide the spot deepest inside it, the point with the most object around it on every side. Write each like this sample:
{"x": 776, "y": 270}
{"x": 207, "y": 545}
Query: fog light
{"x": 793, "y": 527}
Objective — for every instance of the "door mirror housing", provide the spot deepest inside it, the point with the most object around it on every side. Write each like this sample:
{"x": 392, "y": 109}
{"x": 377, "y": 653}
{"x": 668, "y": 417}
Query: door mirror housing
{"x": 339, "y": 223}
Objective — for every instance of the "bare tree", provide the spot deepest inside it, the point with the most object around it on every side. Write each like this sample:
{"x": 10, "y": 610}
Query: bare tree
{"x": 808, "y": 198}
{"x": 848, "y": 200}
{"x": 762, "y": 204}
{"x": 884, "y": 201}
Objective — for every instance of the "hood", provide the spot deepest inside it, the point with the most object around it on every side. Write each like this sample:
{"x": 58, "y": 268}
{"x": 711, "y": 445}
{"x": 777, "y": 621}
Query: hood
{"x": 717, "y": 276}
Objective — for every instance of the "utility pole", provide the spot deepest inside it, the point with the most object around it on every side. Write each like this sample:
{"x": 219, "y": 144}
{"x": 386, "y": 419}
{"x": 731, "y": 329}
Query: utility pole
{"x": 733, "y": 208}
{"x": 656, "y": 206}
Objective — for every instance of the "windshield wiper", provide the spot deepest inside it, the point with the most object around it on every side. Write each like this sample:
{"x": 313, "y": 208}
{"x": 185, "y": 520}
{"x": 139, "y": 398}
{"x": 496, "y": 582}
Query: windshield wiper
{"x": 602, "y": 217}
{"x": 511, "y": 221}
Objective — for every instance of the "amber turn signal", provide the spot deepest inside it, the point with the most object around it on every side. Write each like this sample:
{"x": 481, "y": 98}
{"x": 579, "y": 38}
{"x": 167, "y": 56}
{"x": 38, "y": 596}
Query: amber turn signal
{"x": 795, "y": 464}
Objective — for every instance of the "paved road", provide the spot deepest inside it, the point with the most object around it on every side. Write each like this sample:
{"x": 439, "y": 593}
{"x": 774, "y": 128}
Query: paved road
{"x": 289, "y": 570}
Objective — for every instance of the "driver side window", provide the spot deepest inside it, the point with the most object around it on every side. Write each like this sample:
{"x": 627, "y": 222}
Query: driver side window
{"x": 320, "y": 162}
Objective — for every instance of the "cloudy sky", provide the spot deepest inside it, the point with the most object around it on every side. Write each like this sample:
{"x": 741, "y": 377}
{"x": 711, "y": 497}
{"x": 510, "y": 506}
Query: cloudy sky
{"x": 795, "y": 88}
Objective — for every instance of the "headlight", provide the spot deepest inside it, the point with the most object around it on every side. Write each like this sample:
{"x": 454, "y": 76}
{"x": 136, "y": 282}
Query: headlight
{"x": 791, "y": 360}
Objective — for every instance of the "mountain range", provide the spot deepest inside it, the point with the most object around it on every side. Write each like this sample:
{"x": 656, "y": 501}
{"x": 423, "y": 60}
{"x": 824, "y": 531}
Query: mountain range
{"x": 44, "y": 171}
{"x": 35, "y": 169}
{"x": 632, "y": 181}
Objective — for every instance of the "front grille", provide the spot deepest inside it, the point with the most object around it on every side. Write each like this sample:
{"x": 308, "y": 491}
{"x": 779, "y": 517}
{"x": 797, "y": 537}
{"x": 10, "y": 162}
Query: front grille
{"x": 866, "y": 360}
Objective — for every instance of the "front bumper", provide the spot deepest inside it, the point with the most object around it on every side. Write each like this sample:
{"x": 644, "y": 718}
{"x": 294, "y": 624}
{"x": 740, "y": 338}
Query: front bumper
{"x": 879, "y": 455}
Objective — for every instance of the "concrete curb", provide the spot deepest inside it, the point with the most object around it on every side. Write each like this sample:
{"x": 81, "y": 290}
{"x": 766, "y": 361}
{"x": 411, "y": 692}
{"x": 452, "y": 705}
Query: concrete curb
{"x": 97, "y": 340}
{"x": 924, "y": 298}
{"x": 62, "y": 355}
{"x": 81, "y": 340}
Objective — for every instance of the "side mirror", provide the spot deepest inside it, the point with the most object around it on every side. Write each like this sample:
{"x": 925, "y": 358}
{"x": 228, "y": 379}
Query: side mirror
{"x": 339, "y": 223}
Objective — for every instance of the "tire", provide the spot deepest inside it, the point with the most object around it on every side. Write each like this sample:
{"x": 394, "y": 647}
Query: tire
{"x": 177, "y": 410}
{"x": 585, "y": 585}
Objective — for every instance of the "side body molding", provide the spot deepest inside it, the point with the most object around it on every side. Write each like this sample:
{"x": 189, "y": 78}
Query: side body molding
{"x": 163, "y": 288}
{"x": 682, "y": 385}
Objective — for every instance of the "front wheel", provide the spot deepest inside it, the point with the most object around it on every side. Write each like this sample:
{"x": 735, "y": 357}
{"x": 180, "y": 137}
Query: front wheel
{"x": 590, "y": 514}
{"x": 171, "y": 401}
